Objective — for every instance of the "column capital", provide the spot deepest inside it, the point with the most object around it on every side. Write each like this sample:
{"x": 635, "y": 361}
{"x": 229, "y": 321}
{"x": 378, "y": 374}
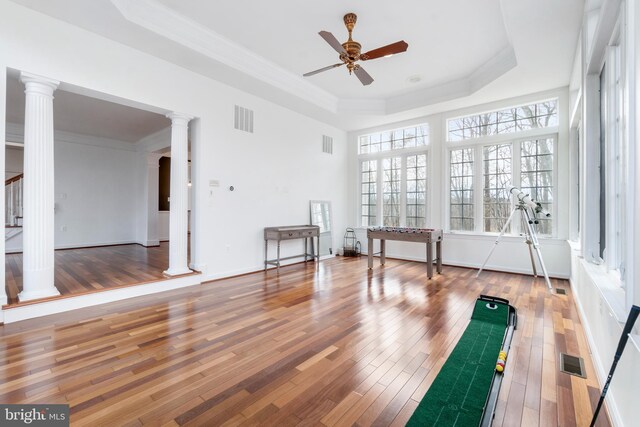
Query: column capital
{"x": 38, "y": 84}
{"x": 179, "y": 118}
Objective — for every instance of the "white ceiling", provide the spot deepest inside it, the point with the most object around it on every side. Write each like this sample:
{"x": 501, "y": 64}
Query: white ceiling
{"x": 88, "y": 116}
{"x": 466, "y": 52}
{"x": 447, "y": 40}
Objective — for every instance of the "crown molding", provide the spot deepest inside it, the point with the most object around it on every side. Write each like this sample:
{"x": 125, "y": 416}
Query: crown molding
{"x": 155, "y": 142}
{"x": 495, "y": 67}
{"x": 363, "y": 106}
{"x": 164, "y": 21}
{"x": 15, "y": 133}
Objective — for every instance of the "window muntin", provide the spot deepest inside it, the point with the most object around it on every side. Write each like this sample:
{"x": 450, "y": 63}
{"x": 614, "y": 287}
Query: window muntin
{"x": 497, "y": 179}
{"x": 414, "y": 136}
{"x": 509, "y": 120}
{"x": 369, "y": 192}
{"x": 461, "y": 206}
{"x": 416, "y": 190}
{"x": 391, "y": 191}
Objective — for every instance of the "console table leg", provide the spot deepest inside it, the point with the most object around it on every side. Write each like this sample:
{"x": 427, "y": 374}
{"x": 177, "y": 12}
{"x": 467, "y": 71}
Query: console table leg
{"x": 429, "y": 260}
{"x": 439, "y": 256}
{"x": 278, "y": 260}
{"x": 266, "y": 253}
{"x": 383, "y": 248}
{"x": 305, "y": 249}
{"x": 370, "y": 253}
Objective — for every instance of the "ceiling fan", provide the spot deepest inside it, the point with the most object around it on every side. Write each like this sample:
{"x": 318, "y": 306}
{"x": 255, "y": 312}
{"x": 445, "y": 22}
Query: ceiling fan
{"x": 350, "y": 52}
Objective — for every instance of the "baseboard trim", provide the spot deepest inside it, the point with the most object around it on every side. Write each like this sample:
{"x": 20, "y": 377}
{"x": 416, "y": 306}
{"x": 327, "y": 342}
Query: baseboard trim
{"x": 490, "y": 267}
{"x": 601, "y": 372}
{"x": 83, "y": 246}
{"x": 59, "y": 305}
{"x": 245, "y": 272}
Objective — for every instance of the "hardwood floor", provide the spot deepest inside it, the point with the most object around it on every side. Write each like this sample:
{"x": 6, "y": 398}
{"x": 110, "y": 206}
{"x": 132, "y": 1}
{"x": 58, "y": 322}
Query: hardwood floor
{"x": 83, "y": 270}
{"x": 336, "y": 346}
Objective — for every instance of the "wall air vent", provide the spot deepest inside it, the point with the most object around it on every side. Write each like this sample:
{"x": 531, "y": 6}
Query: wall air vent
{"x": 243, "y": 119}
{"x": 327, "y": 144}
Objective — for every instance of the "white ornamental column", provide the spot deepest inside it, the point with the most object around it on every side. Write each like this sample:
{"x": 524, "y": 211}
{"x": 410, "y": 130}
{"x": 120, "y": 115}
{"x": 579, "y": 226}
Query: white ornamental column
{"x": 179, "y": 197}
{"x": 38, "y": 190}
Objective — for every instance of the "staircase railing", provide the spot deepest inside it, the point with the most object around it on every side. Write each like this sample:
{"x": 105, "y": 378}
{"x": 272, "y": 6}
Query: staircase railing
{"x": 13, "y": 201}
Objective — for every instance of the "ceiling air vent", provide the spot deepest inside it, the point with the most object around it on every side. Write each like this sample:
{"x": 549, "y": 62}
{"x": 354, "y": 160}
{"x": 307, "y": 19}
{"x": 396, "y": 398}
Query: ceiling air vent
{"x": 243, "y": 119}
{"x": 327, "y": 144}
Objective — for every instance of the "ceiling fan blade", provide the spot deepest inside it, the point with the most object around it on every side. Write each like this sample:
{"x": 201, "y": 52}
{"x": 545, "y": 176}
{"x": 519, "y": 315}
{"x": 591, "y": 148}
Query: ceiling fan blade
{"x": 363, "y": 76}
{"x": 332, "y": 40}
{"x": 311, "y": 73}
{"x": 390, "y": 49}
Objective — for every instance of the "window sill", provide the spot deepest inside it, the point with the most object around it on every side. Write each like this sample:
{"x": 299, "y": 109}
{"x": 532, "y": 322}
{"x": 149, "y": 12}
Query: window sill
{"x": 506, "y": 238}
{"x": 576, "y": 248}
{"x": 610, "y": 288}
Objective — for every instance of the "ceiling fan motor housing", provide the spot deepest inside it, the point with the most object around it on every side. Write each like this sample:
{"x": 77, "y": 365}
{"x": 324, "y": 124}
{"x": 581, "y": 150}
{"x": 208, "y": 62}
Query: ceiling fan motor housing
{"x": 353, "y": 50}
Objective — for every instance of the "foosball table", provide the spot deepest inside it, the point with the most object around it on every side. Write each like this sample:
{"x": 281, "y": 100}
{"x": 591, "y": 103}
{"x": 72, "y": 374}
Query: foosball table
{"x": 406, "y": 234}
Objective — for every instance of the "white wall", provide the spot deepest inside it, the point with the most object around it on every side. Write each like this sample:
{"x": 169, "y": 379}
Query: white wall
{"x": 163, "y": 225}
{"x": 94, "y": 193}
{"x": 602, "y": 303}
{"x": 13, "y": 162}
{"x": 464, "y": 249}
{"x": 275, "y": 171}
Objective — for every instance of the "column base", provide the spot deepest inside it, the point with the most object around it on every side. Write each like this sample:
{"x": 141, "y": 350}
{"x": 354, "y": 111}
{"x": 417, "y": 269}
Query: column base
{"x": 45, "y": 293}
{"x": 198, "y": 267}
{"x": 177, "y": 271}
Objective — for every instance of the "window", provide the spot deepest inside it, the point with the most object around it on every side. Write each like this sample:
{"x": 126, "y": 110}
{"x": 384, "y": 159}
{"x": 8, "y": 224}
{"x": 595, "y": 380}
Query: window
{"x": 393, "y": 169}
{"x": 391, "y": 191}
{"x": 461, "y": 190}
{"x": 497, "y": 174}
{"x": 613, "y": 164}
{"x": 481, "y": 174}
{"x": 415, "y": 136}
{"x": 510, "y": 120}
{"x": 416, "y": 190}
{"x": 369, "y": 177}
{"x": 536, "y": 176}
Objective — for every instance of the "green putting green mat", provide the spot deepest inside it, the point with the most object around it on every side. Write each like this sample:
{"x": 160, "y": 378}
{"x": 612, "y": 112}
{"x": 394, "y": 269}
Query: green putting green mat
{"x": 459, "y": 392}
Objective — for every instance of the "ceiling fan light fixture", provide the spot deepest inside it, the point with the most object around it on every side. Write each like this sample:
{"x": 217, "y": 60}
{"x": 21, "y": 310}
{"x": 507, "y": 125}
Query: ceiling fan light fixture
{"x": 350, "y": 51}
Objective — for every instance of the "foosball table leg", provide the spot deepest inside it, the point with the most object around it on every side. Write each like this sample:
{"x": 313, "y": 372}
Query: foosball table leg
{"x": 382, "y": 251}
{"x": 370, "y": 256}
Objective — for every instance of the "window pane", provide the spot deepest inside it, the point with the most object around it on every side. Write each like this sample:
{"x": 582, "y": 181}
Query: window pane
{"x": 461, "y": 213}
{"x": 368, "y": 192}
{"x": 413, "y": 136}
{"x": 508, "y": 120}
{"x": 536, "y": 176}
{"x": 416, "y": 190}
{"x": 391, "y": 175}
{"x": 497, "y": 180}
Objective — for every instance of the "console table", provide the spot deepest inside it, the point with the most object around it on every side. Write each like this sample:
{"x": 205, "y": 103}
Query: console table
{"x": 291, "y": 232}
{"x": 420, "y": 235}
